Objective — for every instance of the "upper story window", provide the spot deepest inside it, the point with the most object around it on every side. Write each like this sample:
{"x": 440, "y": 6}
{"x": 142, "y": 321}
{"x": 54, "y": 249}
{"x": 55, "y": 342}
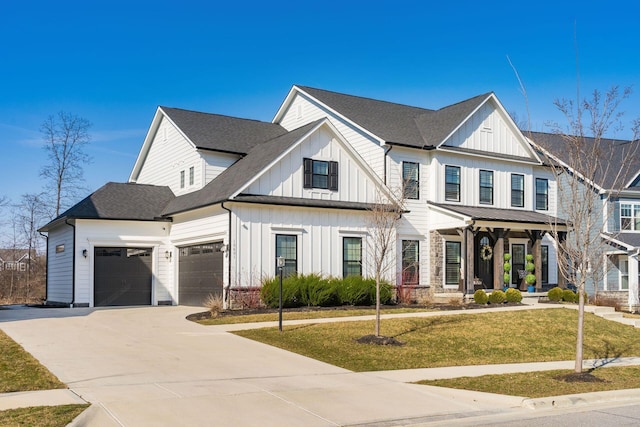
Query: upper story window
{"x": 181, "y": 179}
{"x": 191, "y": 175}
{"x": 630, "y": 216}
{"x": 320, "y": 174}
{"x": 542, "y": 194}
{"x": 517, "y": 190}
{"x": 486, "y": 187}
{"x": 452, "y": 183}
{"x": 411, "y": 180}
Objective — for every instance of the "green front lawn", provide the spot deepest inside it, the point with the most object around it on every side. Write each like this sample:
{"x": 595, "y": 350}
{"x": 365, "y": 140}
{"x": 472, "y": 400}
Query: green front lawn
{"x": 41, "y": 416}
{"x": 546, "y": 383}
{"x": 19, "y": 371}
{"x": 469, "y": 339}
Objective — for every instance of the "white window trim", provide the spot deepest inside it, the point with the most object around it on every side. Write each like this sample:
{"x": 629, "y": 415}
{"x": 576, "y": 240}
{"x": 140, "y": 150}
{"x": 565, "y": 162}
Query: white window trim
{"x": 298, "y": 232}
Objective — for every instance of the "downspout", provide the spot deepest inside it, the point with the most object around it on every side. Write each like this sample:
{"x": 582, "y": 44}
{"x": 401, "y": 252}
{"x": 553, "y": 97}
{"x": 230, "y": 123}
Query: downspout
{"x": 228, "y": 252}
{"x": 46, "y": 270}
{"x": 385, "y": 163}
{"x": 73, "y": 265}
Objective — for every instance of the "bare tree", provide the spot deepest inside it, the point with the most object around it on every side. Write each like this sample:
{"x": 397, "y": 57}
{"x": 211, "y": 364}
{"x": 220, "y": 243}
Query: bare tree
{"x": 30, "y": 213}
{"x": 65, "y": 136}
{"x": 383, "y": 219}
{"x": 590, "y": 170}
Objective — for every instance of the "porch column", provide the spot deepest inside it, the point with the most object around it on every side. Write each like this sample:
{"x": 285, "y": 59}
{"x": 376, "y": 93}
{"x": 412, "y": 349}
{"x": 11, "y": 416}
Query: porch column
{"x": 633, "y": 282}
{"x": 498, "y": 260}
{"x": 469, "y": 272}
{"x": 537, "y": 259}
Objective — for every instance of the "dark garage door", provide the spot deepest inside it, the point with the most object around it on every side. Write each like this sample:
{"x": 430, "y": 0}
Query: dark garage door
{"x": 122, "y": 276}
{"x": 200, "y": 273}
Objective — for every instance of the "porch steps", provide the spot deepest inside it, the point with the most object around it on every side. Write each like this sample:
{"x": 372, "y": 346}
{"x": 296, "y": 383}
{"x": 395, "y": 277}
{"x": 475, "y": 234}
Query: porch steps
{"x": 610, "y": 313}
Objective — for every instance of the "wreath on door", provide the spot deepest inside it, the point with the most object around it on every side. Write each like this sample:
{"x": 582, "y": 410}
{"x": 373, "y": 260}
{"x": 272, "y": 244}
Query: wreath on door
{"x": 486, "y": 252}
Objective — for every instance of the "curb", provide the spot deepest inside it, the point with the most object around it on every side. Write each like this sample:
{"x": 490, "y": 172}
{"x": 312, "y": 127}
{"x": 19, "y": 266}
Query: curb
{"x": 570, "y": 400}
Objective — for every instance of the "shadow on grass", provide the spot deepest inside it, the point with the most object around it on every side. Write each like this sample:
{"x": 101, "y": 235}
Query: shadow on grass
{"x": 429, "y": 323}
{"x": 606, "y": 354}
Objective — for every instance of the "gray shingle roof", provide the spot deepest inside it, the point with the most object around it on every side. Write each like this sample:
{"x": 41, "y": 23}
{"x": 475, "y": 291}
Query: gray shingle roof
{"x": 557, "y": 146}
{"x": 631, "y": 239}
{"x": 234, "y": 177}
{"x": 120, "y": 201}
{"x": 222, "y": 133}
{"x": 397, "y": 123}
{"x": 503, "y": 215}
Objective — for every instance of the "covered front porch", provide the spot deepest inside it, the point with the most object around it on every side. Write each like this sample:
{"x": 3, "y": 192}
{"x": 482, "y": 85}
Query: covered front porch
{"x": 484, "y": 236}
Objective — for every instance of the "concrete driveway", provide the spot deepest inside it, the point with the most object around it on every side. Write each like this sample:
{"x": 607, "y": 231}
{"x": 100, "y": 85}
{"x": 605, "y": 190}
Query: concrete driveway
{"x": 151, "y": 367}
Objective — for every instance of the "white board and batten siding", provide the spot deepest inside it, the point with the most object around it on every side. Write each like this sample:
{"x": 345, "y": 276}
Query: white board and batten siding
{"x": 168, "y": 155}
{"x": 285, "y": 178}
{"x": 489, "y": 131}
{"x": 60, "y": 264}
{"x": 319, "y": 234}
{"x": 216, "y": 163}
{"x": 134, "y": 234}
{"x": 303, "y": 110}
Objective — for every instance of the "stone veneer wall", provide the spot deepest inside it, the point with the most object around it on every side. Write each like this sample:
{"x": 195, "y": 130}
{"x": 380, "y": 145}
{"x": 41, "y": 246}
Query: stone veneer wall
{"x": 435, "y": 261}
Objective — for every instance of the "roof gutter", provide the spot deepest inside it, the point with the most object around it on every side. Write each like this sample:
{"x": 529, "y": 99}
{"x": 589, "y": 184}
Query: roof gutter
{"x": 46, "y": 269}
{"x": 73, "y": 265}
{"x": 385, "y": 163}
{"x": 226, "y": 296}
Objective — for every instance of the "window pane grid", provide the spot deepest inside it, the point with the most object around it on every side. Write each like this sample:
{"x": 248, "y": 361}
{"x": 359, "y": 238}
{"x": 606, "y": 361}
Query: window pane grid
{"x": 287, "y": 247}
{"x": 517, "y": 190}
{"x": 352, "y": 256}
{"x": 410, "y": 262}
{"x": 411, "y": 180}
{"x": 452, "y": 183}
{"x": 486, "y": 187}
{"x": 452, "y": 263}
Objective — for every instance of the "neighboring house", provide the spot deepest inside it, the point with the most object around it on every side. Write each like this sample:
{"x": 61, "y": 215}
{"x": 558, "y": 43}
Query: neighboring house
{"x": 618, "y": 187}
{"x": 14, "y": 259}
{"x": 213, "y": 200}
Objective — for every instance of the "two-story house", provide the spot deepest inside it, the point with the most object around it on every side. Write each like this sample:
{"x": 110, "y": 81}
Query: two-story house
{"x": 213, "y": 200}
{"x": 615, "y": 186}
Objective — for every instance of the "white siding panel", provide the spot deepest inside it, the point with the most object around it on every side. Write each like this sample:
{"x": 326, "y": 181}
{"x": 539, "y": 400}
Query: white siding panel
{"x": 488, "y": 131}
{"x": 60, "y": 265}
{"x": 310, "y": 110}
{"x": 286, "y": 177}
{"x": 319, "y": 231}
{"x": 216, "y": 163}
{"x": 167, "y": 157}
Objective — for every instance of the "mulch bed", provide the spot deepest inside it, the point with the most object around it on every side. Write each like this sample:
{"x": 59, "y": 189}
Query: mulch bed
{"x": 379, "y": 340}
{"x": 443, "y": 307}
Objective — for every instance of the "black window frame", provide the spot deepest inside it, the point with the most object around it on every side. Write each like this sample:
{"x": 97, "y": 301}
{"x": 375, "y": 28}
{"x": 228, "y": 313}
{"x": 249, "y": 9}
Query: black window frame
{"x": 192, "y": 175}
{"x": 348, "y": 263}
{"x": 182, "y": 179}
{"x": 486, "y": 188}
{"x": 517, "y": 193}
{"x": 290, "y": 264}
{"x": 452, "y": 186}
{"x": 452, "y": 269}
{"x": 411, "y": 262}
{"x": 324, "y": 181}
{"x": 411, "y": 185}
{"x": 542, "y": 197}
{"x": 544, "y": 261}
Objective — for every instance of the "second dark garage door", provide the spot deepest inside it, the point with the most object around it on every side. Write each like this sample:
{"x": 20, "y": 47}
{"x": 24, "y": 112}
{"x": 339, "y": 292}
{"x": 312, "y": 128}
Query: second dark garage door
{"x": 201, "y": 268}
{"x": 122, "y": 276}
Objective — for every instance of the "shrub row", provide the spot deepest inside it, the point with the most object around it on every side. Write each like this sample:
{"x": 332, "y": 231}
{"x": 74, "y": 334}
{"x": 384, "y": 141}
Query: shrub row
{"x": 316, "y": 291}
{"x": 567, "y": 295}
{"x": 497, "y": 296}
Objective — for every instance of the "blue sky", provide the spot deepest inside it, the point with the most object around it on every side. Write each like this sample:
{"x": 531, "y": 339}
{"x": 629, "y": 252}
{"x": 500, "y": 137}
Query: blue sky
{"x": 114, "y": 62}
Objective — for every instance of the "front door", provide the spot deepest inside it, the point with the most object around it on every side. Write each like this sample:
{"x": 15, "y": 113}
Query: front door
{"x": 484, "y": 261}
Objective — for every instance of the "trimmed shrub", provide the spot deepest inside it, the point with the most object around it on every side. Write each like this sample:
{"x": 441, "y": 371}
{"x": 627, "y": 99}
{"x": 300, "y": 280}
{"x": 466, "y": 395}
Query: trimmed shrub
{"x": 529, "y": 258}
{"x": 555, "y": 294}
{"x": 529, "y": 267}
{"x": 506, "y": 278}
{"x": 480, "y": 296}
{"x": 507, "y": 257}
{"x": 568, "y": 295}
{"x": 316, "y": 291}
{"x": 355, "y": 290}
{"x": 530, "y": 279}
{"x": 507, "y": 267}
{"x": 497, "y": 297}
{"x": 513, "y": 295}
{"x": 270, "y": 292}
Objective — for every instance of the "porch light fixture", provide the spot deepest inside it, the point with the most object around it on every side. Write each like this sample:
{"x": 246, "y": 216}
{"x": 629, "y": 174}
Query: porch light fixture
{"x": 167, "y": 255}
{"x": 280, "y": 264}
{"x": 85, "y": 253}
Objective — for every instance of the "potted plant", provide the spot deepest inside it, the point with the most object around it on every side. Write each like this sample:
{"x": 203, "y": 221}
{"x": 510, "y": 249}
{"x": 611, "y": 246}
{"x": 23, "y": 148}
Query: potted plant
{"x": 530, "y": 278}
{"x": 507, "y": 270}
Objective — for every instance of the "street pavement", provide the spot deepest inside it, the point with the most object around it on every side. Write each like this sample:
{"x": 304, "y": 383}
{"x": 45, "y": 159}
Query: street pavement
{"x": 149, "y": 366}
